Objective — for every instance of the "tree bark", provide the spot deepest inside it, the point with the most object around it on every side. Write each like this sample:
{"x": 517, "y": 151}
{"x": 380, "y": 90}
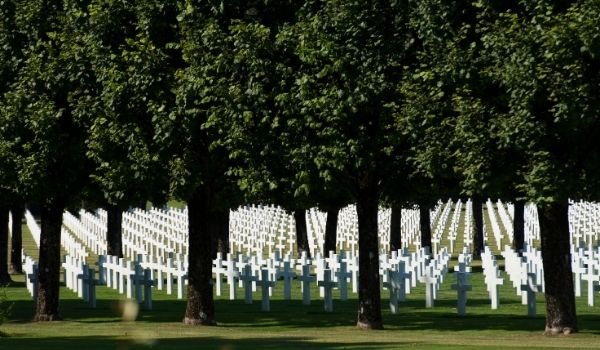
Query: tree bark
{"x": 301, "y": 232}
{"x": 49, "y": 265}
{"x": 561, "y": 316}
{"x": 16, "y": 246}
{"x": 396, "y": 229}
{"x": 200, "y": 308}
{"x": 519, "y": 227}
{"x": 369, "y": 294}
{"x": 425, "y": 222}
{"x": 114, "y": 236}
{"x": 4, "y": 275}
{"x": 331, "y": 230}
{"x": 478, "y": 234}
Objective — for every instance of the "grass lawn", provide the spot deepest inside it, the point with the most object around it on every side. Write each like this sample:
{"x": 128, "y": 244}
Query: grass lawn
{"x": 290, "y": 325}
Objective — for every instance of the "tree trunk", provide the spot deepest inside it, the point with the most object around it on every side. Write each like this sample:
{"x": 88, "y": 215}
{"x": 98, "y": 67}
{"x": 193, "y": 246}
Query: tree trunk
{"x": 200, "y": 308}
{"x": 114, "y": 236}
{"x": 369, "y": 294}
{"x": 561, "y": 316}
{"x": 4, "y": 275}
{"x": 301, "y": 232}
{"x": 331, "y": 230}
{"x": 425, "y": 222}
{"x": 396, "y": 229}
{"x": 49, "y": 265}
{"x": 478, "y": 234}
{"x": 17, "y": 212}
{"x": 519, "y": 227}
{"x": 220, "y": 233}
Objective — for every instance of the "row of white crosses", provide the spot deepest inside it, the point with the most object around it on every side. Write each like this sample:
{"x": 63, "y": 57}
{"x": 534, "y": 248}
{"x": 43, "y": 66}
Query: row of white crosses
{"x": 468, "y": 232}
{"x": 80, "y": 278}
{"x": 584, "y": 218}
{"x": 506, "y": 214}
{"x": 492, "y": 277}
{"x": 586, "y": 266}
{"x": 71, "y": 245}
{"x": 462, "y": 273}
{"x": 453, "y": 229}
{"x": 33, "y": 227}
{"x": 254, "y": 229}
{"x": 128, "y": 278}
{"x": 532, "y": 224}
{"x": 152, "y": 233}
{"x": 496, "y": 230}
{"x": 526, "y": 276}
{"x": 433, "y": 276}
{"x": 253, "y": 272}
{"x": 30, "y": 269}
{"x": 439, "y": 225}
{"x": 85, "y": 230}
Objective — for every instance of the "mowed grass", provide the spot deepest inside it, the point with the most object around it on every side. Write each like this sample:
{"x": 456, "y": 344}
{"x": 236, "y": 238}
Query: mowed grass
{"x": 291, "y": 325}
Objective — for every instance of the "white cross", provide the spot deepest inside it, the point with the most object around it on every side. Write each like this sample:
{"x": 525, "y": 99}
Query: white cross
{"x": 327, "y": 284}
{"x": 306, "y": 280}
{"x": 462, "y": 286}
{"x": 531, "y": 288}
{"x": 266, "y": 284}
{"x": 288, "y": 275}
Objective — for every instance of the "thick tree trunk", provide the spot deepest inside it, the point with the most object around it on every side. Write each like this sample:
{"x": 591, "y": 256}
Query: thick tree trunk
{"x": 16, "y": 246}
{"x": 519, "y": 227}
{"x": 200, "y": 308}
{"x": 561, "y": 316}
{"x": 301, "y": 232}
{"x": 114, "y": 236}
{"x": 369, "y": 294}
{"x": 4, "y": 275}
{"x": 331, "y": 230}
{"x": 478, "y": 234}
{"x": 425, "y": 222}
{"x": 49, "y": 264}
{"x": 396, "y": 229}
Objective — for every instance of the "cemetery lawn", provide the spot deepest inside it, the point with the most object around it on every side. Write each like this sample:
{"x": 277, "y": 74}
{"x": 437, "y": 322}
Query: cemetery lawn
{"x": 290, "y": 325}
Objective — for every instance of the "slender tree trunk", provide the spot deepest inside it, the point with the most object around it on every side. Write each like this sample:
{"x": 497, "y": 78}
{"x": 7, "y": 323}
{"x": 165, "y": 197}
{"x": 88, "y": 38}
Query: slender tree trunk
{"x": 301, "y": 232}
{"x": 519, "y": 227}
{"x": 396, "y": 229}
{"x": 114, "y": 236}
{"x": 425, "y": 222}
{"x": 478, "y": 234}
{"x": 16, "y": 246}
{"x": 200, "y": 308}
{"x": 561, "y": 316}
{"x": 331, "y": 230}
{"x": 4, "y": 275}
{"x": 220, "y": 233}
{"x": 49, "y": 265}
{"x": 369, "y": 294}
{"x": 223, "y": 240}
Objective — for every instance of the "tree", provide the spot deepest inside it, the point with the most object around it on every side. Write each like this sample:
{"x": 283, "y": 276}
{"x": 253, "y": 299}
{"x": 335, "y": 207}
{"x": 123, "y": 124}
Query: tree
{"x": 128, "y": 42}
{"x": 546, "y": 57}
{"x": 215, "y": 38}
{"x": 352, "y": 57}
{"x": 10, "y": 63}
{"x": 16, "y": 244}
{"x": 43, "y": 129}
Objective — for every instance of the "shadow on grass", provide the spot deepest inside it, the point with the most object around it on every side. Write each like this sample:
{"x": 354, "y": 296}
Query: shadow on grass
{"x": 292, "y": 314}
{"x": 141, "y": 341}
